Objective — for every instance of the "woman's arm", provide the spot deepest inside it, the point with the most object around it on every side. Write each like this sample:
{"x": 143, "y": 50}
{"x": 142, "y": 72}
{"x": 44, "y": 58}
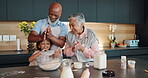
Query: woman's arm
{"x": 68, "y": 50}
{"x": 89, "y": 52}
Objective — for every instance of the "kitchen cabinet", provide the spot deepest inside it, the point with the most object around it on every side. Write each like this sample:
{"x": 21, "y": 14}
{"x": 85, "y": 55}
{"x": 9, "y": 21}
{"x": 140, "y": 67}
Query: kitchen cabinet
{"x": 133, "y": 53}
{"x": 105, "y": 11}
{"x": 136, "y": 11}
{"x": 40, "y": 8}
{"x": 112, "y": 53}
{"x": 89, "y": 9}
{"x": 14, "y": 60}
{"x": 69, "y": 7}
{"x": 121, "y": 10}
{"x": 20, "y": 9}
{"x": 3, "y": 10}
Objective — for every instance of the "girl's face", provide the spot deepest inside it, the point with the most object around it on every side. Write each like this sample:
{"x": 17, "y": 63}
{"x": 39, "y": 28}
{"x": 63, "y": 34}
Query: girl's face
{"x": 44, "y": 45}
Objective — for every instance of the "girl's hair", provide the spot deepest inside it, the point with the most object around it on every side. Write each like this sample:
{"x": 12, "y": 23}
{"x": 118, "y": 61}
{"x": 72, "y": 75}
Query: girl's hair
{"x": 38, "y": 43}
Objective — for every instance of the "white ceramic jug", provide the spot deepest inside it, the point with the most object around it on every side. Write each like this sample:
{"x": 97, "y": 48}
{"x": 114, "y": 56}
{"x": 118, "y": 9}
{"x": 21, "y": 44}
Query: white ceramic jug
{"x": 66, "y": 69}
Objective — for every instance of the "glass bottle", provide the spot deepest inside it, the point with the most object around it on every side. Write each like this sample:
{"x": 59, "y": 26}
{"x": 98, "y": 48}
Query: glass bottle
{"x": 100, "y": 60}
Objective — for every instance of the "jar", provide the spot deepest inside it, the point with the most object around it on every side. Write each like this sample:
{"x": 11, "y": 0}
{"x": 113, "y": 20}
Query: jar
{"x": 100, "y": 60}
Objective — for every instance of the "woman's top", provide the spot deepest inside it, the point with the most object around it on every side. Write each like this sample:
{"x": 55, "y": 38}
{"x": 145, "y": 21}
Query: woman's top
{"x": 88, "y": 39}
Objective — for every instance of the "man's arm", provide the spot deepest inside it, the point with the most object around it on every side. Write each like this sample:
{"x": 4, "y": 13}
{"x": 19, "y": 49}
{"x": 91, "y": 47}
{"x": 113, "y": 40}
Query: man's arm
{"x": 57, "y": 41}
{"x": 34, "y": 37}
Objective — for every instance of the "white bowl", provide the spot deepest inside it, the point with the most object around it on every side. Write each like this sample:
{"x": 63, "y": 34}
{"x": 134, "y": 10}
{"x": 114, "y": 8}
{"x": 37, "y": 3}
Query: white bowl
{"x": 53, "y": 65}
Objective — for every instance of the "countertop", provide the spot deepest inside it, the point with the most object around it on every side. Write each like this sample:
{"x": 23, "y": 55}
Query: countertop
{"x": 13, "y": 52}
{"x": 36, "y": 72}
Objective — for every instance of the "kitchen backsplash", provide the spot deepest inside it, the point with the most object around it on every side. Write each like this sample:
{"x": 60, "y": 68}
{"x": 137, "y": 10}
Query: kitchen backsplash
{"x": 122, "y": 32}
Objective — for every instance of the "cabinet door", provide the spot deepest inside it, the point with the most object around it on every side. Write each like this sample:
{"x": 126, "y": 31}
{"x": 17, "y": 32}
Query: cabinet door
{"x": 3, "y": 10}
{"x": 136, "y": 11}
{"x": 40, "y": 10}
{"x": 105, "y": 9}
{"x": 121, "y": 11}
{"x": 69, "y": 7}
{"x": 20, "y": 9}
{"x": 88, "y": 8}
{"x": 134, "y": 52}
{"x": 113, "y": 53}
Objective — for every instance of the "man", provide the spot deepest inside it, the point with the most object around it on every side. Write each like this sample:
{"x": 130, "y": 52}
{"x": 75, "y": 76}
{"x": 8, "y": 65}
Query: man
{"x": 50, "y": 28}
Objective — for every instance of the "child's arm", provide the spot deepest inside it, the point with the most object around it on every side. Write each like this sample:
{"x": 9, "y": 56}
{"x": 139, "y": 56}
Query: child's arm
{"x": 57, "y": 52}
{"x": 33, "y": 57}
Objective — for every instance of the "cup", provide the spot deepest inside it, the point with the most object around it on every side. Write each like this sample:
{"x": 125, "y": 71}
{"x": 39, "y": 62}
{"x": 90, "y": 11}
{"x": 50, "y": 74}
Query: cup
{"x": 131, "y": 63}
{"x": 78, "y": 65}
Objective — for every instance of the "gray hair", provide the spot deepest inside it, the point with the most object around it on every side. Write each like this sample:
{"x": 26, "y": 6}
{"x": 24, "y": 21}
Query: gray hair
{"x": 79, "y": 17}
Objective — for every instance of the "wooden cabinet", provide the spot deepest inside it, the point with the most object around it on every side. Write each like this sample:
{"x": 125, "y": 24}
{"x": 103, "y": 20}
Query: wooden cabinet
{"x": 40, "y": 8}
{"x": 14, "y": 60}
{"x": 89, "y": 9}
{"x": 3, "y": 10}
{"x": 113, "y": 53}
{"x": 140, "y": 52}
{"x": 105, "y": 11}
{"x": 136, "y": 11}
{"x": 20, "y": 9}
{"x": 121, "y": 9}
{"x": 69, "y": 7}
{"x": 134, "y": 52}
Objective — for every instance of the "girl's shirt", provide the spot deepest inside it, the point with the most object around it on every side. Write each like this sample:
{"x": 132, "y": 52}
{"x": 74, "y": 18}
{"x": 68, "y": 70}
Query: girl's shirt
{"x": 42, "y": 59}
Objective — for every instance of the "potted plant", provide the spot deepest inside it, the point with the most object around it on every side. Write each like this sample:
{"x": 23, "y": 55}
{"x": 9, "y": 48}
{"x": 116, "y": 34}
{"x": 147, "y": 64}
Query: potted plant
{"x": 26, "y": 28}
{"x": 112, "y": 37}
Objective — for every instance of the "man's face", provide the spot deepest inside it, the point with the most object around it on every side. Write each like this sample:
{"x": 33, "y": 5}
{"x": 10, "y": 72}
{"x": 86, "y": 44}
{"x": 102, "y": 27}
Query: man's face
{"x": 74, "y": 26}
{"x": 54, "y": 15}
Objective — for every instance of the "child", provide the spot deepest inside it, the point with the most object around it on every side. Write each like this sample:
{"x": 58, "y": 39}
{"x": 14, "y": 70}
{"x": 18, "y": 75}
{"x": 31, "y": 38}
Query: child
{"x": 42, "y": 47}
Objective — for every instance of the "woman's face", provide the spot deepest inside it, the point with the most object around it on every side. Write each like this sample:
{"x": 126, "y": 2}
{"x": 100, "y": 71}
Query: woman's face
{"x": 44, "y": 45}
{"x": 74, "y": 26}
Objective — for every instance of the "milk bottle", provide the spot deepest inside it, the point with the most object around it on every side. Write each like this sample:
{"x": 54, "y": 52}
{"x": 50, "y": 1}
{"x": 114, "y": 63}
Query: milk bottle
{"x": 100, "y": 60}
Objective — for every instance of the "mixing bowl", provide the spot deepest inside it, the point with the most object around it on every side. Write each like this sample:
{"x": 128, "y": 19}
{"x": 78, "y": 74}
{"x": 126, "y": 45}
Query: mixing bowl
{"x": 48, "y": 61}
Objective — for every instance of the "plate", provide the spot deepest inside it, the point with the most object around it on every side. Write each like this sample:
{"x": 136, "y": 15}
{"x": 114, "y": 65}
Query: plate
{"x": 122, "y": 45}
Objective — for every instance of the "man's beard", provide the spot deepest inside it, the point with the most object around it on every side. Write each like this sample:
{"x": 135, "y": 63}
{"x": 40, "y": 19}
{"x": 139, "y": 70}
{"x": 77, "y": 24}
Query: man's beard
{"x": 54, "y": 22}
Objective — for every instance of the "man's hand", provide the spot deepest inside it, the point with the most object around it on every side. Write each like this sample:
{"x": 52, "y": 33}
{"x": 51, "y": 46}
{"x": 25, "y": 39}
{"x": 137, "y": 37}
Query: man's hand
{"x": 49, "y": 32}
{"x": 43, "y": 36}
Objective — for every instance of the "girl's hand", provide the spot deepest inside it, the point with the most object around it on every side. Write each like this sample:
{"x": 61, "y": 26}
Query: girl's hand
{"x": 58, "y": 52}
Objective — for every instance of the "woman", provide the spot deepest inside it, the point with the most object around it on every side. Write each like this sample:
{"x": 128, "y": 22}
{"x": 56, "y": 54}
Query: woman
{"x": 81, "y": 43}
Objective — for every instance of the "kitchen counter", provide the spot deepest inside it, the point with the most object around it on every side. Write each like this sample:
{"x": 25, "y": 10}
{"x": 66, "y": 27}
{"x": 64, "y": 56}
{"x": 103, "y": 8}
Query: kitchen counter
{"x": 12, "y": 52}
{"x": 36, "y": 72}
{"x": 124, "y": 48}
{"x": 12, "y": 58}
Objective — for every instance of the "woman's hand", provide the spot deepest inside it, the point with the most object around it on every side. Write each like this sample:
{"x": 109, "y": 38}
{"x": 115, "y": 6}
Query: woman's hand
{"x": 77, "y": 46}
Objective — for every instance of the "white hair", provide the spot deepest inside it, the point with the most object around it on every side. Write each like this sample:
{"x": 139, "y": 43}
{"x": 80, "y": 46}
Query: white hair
{"x": 79, "y": 17}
